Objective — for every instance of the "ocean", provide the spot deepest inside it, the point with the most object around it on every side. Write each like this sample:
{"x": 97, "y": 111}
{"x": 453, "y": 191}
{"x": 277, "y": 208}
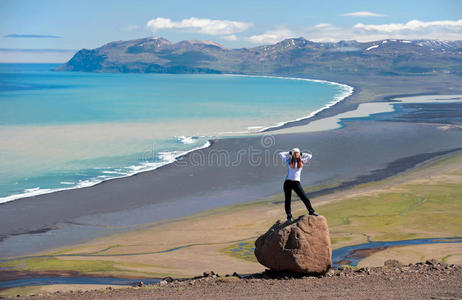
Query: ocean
{"x": 63, "y": 130}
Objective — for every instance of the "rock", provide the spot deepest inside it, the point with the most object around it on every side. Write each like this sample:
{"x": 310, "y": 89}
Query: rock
{"x": 209, "y": 274}
{"x": 236, "y": 275}
{"x": 392, "y": 263}
{"x": 302, "y": 246}
{"x": 140, "y": 284}
{"x": 163, "y": 282}
{"x": 168, "y": 279}
{"x": 432, "y": 262}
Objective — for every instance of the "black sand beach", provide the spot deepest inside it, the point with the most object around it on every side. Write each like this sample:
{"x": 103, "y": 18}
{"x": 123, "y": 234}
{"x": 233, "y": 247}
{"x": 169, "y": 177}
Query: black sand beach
{"x": 176, "y": 190}
{"x": 232, "y": 170}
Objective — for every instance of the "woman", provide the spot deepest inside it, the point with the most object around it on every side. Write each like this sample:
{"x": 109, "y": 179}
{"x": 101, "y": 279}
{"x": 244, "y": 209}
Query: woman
{"x": 295, "y": 160}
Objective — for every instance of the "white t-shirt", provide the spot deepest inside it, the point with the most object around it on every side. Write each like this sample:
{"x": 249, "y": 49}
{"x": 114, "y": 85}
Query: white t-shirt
{"x": 294, "y": 173}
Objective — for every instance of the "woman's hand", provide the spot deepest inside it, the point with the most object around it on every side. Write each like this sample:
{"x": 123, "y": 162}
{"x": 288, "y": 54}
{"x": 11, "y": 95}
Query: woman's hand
{"x": 306, "y": 157}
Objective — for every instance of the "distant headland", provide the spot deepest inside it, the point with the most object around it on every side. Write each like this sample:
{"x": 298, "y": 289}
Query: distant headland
{"x": 296, "y": 56}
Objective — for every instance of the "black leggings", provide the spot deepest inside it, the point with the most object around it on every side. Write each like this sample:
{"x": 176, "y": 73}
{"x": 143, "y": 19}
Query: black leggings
{"x": 290, "y": 185}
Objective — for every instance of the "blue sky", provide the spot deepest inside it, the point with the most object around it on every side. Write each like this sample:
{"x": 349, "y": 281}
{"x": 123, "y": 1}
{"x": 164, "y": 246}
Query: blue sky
{"x": 51, "y": 31}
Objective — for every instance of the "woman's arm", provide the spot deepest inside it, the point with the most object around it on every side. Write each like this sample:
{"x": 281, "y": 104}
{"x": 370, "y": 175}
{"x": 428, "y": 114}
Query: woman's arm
{"x": 284, "y": 154}
{"x": 306, "y": 157}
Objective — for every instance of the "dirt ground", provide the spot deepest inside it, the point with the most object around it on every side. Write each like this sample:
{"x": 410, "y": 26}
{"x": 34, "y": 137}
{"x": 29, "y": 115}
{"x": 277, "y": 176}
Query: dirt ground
{"x": 429, "y": 280}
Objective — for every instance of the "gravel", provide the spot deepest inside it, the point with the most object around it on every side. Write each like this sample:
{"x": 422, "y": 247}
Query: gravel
{"x": 425, "y": 280}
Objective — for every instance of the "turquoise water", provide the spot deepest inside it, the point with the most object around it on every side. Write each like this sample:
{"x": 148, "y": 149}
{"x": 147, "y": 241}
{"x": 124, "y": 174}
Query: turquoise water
{"x": 72, "y": 129}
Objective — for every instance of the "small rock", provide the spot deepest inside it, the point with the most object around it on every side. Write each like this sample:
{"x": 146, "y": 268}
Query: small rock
{"x": 431, "y": 262}
{"x": 140, "y": 284}
{"x": 168, "y": 279}
{"x": 163, "y": 282}
{"x": 392, "y": 263}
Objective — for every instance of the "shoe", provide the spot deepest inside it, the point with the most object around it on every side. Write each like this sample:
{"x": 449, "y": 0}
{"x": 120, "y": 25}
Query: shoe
{"x": 313, "y": 213}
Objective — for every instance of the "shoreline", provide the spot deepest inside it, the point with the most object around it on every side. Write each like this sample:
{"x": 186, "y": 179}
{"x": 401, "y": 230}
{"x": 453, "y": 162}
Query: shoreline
{"x": 93, "y": 183}
{"x": 244, "y": 192}
{"x": 367, "y": 110}
{"x": 278, "y": 128}
{"x": 349, "y": 90}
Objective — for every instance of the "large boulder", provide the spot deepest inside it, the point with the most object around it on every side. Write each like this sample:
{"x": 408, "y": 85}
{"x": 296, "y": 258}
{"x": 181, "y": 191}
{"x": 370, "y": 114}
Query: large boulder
{"x": 302, "y": 246}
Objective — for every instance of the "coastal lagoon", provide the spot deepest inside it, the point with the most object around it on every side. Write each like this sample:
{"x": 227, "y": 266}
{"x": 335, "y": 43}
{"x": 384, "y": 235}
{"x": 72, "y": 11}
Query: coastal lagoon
{"x": 62, "y": 130}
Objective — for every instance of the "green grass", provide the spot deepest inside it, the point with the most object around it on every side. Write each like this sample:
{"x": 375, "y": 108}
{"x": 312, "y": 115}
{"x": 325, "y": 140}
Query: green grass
{"x": 67, "y": 251}
{"x": 23, "y": 291}
{"x": 315, "y": 188}
{"x": 335, "y": 240}
{"x": 84, "y": 266}
{"x": 422, "y": 211}
{"x": 242, "y": 250}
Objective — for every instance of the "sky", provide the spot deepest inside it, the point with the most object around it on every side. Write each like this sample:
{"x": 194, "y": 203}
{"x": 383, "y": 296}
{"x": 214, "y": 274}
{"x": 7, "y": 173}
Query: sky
{"x": 53, "y": 30}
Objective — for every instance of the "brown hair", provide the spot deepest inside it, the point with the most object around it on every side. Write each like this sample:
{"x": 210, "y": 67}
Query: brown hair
{"x": 294, "y": 160}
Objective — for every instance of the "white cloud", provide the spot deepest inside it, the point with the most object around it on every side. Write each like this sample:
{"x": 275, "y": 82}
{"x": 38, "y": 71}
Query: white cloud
{"x": 324, "y": 32}
{"x": 323, "y": 25}
{"x": 413, "y": 25}
{"x": 272, "y": 36}
{"x": 204, "y": 26}
{"x": 231, "y": 37}
{"x": 363, "y": 14}
{"x": 160, "y": 23}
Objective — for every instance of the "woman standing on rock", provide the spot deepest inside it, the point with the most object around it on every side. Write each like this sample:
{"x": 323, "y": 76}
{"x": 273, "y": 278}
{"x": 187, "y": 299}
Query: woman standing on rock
{"x": 295, "y": 160}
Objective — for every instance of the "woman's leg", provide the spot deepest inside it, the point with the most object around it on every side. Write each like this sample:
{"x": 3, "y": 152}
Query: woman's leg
{"x": 301, "y": 193}
{"x": 288, "y": 195}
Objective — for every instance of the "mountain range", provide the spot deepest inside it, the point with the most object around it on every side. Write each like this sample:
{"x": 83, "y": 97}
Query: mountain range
{"x": 289, "y": 57}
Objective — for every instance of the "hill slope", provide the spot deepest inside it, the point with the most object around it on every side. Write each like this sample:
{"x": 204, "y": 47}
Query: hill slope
{"x": 288, "y": 57}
